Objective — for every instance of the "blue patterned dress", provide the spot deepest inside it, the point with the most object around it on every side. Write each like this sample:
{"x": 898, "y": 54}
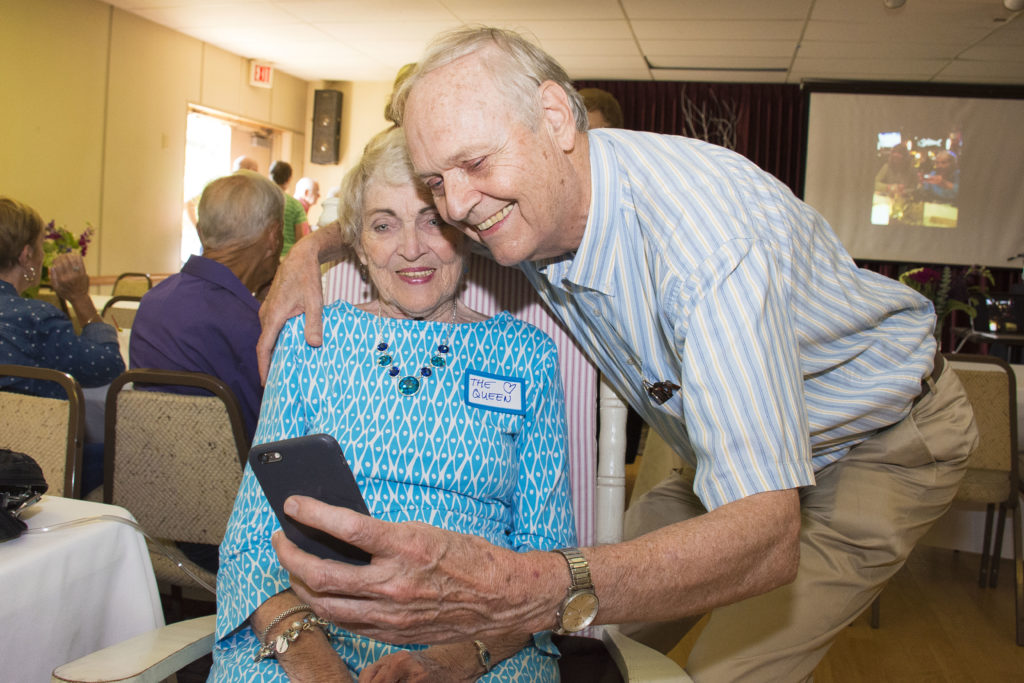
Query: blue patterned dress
{"x": 480, "y": 449}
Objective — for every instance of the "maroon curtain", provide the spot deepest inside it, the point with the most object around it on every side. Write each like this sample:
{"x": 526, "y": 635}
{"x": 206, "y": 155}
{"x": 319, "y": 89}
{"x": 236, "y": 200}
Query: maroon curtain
{"x": 770, "y": 120}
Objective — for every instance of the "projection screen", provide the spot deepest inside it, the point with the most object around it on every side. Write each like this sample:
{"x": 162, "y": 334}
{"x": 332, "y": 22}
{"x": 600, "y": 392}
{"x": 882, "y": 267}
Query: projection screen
{"x": 919, "y": 179}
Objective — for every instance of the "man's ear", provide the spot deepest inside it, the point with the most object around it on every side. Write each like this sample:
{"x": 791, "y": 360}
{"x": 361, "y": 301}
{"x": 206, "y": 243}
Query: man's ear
{"x": 557, "y": 113}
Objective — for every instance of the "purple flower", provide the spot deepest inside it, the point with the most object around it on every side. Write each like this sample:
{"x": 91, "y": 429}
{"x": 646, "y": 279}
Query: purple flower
{"x": 925, "y": 276}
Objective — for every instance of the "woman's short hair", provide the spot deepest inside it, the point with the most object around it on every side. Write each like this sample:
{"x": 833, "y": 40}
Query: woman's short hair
{"x": 19, "y": 225}
{"x": 237, "y": 209}
{"x": 385, "y": 160}
{"x": 518, "y": 65}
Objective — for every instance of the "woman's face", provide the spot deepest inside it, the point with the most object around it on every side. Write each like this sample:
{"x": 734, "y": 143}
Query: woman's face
{"x": 414, "y": 260}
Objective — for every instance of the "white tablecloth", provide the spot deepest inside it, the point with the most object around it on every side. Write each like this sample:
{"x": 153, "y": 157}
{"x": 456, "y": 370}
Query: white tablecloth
{"x": 71, "y": 591}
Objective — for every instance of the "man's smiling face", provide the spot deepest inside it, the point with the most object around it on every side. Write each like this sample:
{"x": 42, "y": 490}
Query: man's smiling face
{"x": 503, "y": 183}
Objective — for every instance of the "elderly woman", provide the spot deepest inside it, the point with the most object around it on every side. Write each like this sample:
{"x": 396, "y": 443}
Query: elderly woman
{"x": 399, "y": 382}
{"x": 34, "y": 332}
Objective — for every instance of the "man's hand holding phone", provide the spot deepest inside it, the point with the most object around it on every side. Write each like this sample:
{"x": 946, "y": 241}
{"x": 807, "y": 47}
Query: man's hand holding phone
{"x": 311, "y": 466}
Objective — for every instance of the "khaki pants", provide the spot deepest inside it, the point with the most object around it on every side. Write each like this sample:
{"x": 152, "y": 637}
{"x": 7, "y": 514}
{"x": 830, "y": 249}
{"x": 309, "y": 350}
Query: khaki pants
{"x": 860, "y": 521}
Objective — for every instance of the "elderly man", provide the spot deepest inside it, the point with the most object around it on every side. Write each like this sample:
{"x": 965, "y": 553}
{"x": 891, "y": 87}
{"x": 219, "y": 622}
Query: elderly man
{"x": 819, "y": 435}
{"x": 307, "y": 191}
{"x": 206, "y": 317}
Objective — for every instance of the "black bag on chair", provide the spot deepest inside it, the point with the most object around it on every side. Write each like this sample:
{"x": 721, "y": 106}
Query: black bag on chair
{"x": 21, "y": 485}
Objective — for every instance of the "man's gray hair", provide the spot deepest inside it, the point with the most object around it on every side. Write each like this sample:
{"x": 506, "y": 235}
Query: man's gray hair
{"x": 237, "y": 209}
{"x": 518, "y": 66}
{"x": 385, "y": 160}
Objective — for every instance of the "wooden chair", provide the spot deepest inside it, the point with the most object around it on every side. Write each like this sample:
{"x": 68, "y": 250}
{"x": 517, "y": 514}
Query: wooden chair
{"x": 132, "y": 284}
{"x": 50, "y": 430}
{"x": 175, "y": 462}
{"x": 599, "y": 500}
{"x": 992, "y": 476}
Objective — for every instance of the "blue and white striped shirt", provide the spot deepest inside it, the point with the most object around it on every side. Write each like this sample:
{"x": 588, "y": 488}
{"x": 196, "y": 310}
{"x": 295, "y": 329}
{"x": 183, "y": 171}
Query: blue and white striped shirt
{"x": 699, "y": 268}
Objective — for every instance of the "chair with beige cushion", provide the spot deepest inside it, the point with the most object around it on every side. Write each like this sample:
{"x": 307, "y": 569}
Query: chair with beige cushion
{"x": 50, "y": 430}
{"x": 992, "y": 475}
{"x": 120, "y": 310}
{"x": 132, "y": 284}
{"x": 175, "y": 462}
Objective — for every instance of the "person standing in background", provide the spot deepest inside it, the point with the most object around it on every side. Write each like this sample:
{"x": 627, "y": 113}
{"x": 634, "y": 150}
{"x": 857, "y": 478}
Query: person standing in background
{"x": 296, "y": 223}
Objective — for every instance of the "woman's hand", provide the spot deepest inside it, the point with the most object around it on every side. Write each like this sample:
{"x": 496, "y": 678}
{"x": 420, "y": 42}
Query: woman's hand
{"x": 70, "y": 281}
{"x": 69, "y": 277}
{"x": 310, "y": 658}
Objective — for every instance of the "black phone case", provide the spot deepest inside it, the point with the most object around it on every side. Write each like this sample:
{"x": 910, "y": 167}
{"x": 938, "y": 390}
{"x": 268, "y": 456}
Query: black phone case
{"x": 311, "y": 466}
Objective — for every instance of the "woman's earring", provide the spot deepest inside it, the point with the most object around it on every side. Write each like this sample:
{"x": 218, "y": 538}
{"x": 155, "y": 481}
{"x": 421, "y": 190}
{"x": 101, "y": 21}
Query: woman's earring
{"x": 364, "y": 273}
{"x": 31, "y": 274}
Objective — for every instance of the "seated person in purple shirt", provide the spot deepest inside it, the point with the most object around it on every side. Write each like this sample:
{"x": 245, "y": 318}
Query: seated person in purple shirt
{"x": 206, "y": 318}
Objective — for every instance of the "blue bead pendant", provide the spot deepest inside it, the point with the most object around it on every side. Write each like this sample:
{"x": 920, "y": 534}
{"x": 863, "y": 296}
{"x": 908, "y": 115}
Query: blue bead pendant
{"x": 408, "y": 386}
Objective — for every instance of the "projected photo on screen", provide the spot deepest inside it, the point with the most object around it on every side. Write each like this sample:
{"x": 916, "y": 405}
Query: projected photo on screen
{"x": 918, "y": 179}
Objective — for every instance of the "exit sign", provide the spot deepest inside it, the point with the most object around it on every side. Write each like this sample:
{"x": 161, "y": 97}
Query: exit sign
{"x": 261, "y": 74}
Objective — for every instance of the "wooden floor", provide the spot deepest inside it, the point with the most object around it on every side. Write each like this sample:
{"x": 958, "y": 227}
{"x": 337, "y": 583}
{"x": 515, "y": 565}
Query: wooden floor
{"x": 937, "y": 626}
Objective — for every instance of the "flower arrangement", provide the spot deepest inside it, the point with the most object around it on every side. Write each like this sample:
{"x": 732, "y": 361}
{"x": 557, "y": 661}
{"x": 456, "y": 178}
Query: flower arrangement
{"x": 59, "y": 240}
{"x": 949, "y": 292}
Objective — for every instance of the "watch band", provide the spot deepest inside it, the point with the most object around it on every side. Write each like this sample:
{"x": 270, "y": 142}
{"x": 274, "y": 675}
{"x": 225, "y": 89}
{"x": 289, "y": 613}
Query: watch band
{"x": 580, "y": 606}
{"x": 579, "y": 569}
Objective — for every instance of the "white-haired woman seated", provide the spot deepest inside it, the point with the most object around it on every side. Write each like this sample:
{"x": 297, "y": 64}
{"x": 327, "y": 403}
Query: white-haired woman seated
{"x": 395, "y": 383}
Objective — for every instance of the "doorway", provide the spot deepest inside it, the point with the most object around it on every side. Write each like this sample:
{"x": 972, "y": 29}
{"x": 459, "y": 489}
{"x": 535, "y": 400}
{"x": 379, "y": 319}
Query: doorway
{"x": 212, "y": 141}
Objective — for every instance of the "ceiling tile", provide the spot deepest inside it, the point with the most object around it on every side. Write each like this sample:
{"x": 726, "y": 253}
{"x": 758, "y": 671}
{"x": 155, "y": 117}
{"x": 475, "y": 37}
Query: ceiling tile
{"x": 962, "y": 71}
{"x": 377, "y": 12}
{"x": 874, "y": 33}
{"x": 816, "y": 49}
{"x": 719, "y": 76}
{"x": 666, "y": 50}
{"x": 695, "y": 10}
{"x": 882, "y": 69}
{"x": 718, "y": 30}
{"x": 491, "y": 11}
{"x": 564, "y": 49}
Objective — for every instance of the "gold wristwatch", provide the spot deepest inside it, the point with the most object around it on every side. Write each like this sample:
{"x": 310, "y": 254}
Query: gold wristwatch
{"x": 579, "y": 608}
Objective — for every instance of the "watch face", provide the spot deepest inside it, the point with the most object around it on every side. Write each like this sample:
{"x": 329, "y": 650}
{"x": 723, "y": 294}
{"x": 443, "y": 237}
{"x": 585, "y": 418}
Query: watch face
{"x": 579, "y": 611}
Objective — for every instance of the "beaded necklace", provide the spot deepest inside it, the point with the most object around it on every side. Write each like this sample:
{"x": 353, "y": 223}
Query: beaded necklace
{"x": 410, "y": 384}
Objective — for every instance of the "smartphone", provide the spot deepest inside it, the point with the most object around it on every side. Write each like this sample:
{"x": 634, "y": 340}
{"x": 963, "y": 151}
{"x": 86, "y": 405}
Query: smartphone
{"x": 313, "y": 466}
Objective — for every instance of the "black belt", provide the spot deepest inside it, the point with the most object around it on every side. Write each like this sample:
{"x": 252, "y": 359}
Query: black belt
{"x": 938, "y": 365}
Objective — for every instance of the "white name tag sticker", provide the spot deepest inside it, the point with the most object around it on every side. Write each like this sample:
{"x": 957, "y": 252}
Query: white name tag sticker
{"x": 494, "y": 392}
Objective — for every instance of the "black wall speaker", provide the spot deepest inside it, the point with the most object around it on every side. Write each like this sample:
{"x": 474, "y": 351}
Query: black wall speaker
{"x": 326, "y": 127}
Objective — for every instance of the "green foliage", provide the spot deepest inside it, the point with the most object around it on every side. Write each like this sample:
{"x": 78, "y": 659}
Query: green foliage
{"x": 949, "y": 292}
